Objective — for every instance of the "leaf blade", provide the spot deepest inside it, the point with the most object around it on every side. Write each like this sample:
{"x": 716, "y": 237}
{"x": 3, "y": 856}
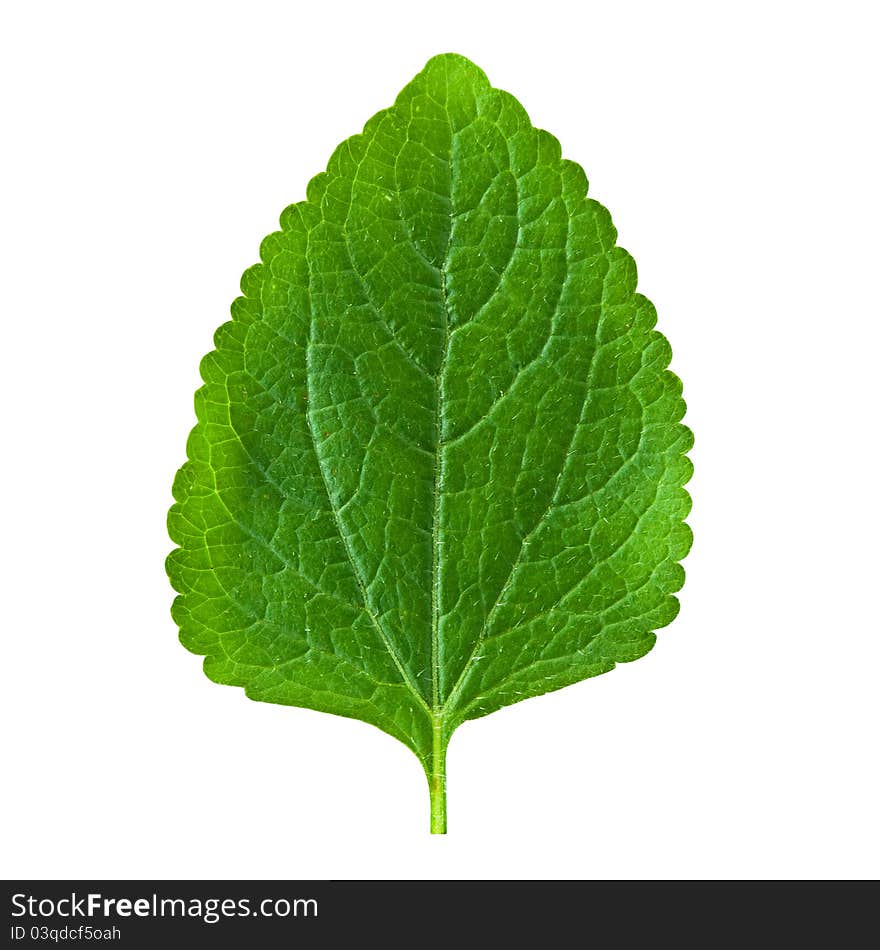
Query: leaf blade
{"x": 439, "y": 463}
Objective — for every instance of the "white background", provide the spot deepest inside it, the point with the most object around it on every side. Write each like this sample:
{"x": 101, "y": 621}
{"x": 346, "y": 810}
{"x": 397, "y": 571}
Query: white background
{"x": 147, "y": 150}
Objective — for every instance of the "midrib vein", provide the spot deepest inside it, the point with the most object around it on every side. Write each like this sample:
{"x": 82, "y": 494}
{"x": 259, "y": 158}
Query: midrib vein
{"x": 439, "y": 457}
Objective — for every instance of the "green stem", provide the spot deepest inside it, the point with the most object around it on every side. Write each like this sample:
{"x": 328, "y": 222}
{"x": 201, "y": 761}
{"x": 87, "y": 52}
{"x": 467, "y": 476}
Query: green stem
{"x": 437, "y": 779}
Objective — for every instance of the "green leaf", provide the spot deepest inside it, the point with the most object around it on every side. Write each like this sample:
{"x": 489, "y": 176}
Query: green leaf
{"x": 438, "y": 464}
